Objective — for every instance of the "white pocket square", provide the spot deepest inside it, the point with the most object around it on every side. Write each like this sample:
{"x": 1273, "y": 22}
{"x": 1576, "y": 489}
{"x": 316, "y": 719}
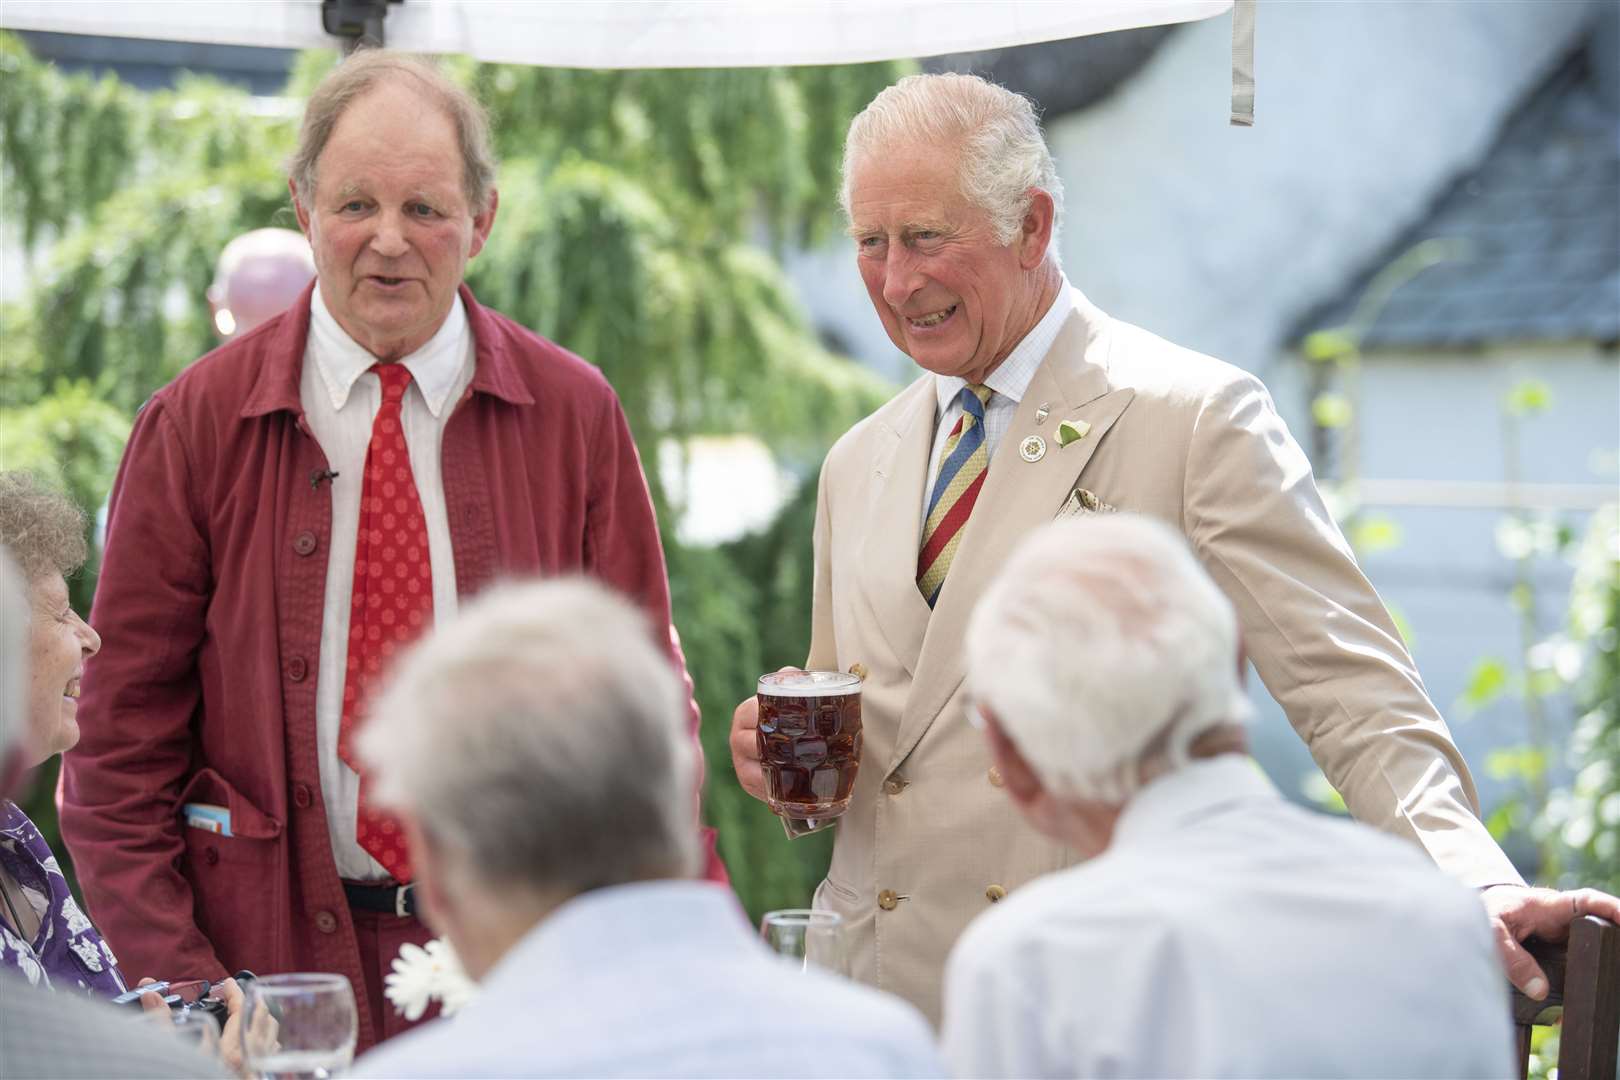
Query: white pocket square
{"x": 1081, "y": 501}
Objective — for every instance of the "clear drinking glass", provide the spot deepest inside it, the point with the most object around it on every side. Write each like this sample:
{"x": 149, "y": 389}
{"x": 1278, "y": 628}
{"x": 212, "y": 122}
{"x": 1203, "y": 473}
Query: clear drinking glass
{"x": 299, "y": 1026}
{"x": 809, "y": 745}
{"x": 807, "y": 936}
{"x": 198, "y": 1030}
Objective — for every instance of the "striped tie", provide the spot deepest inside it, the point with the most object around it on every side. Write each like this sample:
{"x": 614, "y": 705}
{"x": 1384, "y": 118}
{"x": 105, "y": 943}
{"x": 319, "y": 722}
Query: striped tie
{"x": 961, "y": 474}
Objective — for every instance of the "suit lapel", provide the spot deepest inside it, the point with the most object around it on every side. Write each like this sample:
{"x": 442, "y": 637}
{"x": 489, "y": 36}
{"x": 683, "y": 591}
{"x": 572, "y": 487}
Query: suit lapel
{"x": 1018, "y": 495}
{"x": 894, "y": 516}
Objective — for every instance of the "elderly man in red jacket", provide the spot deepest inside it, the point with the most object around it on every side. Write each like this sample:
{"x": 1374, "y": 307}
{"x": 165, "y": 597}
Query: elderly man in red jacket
{"x": 295, "y": 508}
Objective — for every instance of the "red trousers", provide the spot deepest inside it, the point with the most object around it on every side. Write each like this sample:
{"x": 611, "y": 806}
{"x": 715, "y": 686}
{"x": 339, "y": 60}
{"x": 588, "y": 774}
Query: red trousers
{"x": 380, "y": 936}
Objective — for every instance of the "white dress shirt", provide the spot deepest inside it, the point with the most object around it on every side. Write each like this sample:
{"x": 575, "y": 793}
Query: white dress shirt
{"x": 1226, "y": 932}
{"x": 1009, "y": 381}
{"x": 341, "y": 397}
{"x": 660, "y": 978}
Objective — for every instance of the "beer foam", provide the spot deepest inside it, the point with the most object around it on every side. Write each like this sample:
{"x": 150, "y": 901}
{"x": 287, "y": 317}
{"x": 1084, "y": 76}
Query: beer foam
{"x": 809, "y": 683}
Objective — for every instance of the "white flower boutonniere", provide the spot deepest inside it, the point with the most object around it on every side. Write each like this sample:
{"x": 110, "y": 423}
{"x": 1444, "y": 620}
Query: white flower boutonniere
{"x": 424, "y": 975}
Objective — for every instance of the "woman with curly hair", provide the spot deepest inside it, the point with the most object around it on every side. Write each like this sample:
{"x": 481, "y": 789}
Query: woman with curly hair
{"x": 43, "y": 934}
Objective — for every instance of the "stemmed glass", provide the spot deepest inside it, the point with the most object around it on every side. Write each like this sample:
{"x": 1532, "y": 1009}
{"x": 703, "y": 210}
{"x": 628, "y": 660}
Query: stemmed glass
{"x": 299, "y": 1025}
{"x": 806, "y": 936}
{"x": 198, "y": 1030}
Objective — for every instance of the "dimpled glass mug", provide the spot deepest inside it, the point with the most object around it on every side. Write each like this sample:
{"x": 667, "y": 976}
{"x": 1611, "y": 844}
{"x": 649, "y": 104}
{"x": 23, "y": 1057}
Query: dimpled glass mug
{"x": 809, "y": 745}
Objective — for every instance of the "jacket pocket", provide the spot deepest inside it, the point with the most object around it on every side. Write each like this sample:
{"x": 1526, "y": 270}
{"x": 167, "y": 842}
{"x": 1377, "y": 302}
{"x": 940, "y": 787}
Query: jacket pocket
{"x": 236, "y": 880}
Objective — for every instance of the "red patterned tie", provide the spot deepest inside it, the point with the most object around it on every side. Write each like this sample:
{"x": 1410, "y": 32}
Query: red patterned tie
{"x": 392, "y": 601}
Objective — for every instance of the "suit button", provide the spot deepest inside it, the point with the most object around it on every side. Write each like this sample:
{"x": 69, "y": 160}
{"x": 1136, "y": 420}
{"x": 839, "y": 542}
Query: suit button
{"x": 301, "y": 796}
{"x": 995, "y": 894}
{"x": 858, "y": 670}
{"x": 211, "y": 855}
{"x": 297, "y": 668}
{"x": 304, "y": 543}
{"x": 894, "y": 785}
{"x": 888, "y": 900}
{"x": 326, "y": 922}
{"x": 995, "y": 777}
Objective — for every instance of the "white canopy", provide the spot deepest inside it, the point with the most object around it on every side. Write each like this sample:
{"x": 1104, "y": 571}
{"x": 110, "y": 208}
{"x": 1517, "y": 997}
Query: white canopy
{"x": 626, "y": 34}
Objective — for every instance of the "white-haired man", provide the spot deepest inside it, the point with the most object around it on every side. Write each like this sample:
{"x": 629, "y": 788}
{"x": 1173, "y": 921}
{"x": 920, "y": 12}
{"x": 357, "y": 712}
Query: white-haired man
{"x": 1215, "y": 929}
{"x": 1034, "y": 404}
{"x": 537, "y": 755}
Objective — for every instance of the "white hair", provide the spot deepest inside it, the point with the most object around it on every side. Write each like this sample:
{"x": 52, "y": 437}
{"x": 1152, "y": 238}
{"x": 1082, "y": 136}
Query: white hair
{"x": 1102, "y": 644}
{"x": 995, "y": 132}
{"x": 542, "y": 735}
{"x": 15, "y": 617}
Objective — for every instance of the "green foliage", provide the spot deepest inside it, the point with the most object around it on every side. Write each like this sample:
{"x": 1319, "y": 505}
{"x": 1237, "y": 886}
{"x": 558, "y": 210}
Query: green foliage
{"x": 1489, "y": 680}
{"x": 1528, "y": 397}
{"x": 632, "y": 209}
{"x": 749, "y": 597}
{"x": 1583, "y": 822}
{"x": 1332, "y": 410}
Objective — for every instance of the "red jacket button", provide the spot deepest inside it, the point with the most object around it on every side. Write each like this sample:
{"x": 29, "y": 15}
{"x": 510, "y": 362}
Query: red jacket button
{"x": 304, "y": 543}
{"x": 301, "y": 796}
{"x": 297, "y": 668}
{"x": 326, "y": 922}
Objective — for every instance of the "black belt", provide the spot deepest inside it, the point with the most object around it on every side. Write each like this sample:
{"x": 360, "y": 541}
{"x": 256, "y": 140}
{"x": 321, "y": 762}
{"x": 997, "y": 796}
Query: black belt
{"x": 391, "y": 899}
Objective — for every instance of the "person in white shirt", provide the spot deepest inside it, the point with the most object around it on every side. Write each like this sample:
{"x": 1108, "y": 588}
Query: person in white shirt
{"x": 1211, "y": 929}
{"x": 535, "y": 752}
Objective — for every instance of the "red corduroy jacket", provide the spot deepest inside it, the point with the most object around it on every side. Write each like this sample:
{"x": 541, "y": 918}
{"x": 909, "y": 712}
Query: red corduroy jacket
{"x": 209, "y": 607}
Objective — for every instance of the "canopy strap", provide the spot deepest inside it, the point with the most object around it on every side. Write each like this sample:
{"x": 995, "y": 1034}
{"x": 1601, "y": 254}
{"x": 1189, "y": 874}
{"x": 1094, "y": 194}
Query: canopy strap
{"x": 1243, "y": 63}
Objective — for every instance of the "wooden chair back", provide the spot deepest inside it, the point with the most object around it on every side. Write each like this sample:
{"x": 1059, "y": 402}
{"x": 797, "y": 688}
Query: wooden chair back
{"x": 1583, "y": 976}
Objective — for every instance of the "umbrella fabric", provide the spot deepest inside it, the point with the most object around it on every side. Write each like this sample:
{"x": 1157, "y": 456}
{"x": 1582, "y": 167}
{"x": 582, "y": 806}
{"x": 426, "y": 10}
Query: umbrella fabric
{"x": 619, "y": 34}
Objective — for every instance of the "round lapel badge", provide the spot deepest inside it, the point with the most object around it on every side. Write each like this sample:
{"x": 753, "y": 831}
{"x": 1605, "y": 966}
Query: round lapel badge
{"x": 1032, "y": 449}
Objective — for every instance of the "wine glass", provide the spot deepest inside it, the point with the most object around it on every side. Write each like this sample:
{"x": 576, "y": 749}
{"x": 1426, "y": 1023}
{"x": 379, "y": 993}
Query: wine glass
{"x": 806, "y": 936}
{"x": 198, "y": 1030}
{"x": 300, "y": 1025}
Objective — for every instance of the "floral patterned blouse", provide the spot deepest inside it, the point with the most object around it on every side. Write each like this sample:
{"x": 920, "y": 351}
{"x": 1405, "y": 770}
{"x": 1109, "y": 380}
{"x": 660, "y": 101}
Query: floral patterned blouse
{"x": 67, "y": 953}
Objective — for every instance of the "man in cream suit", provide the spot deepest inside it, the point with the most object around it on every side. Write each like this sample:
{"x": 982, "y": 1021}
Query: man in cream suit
{"x": 1034, "y": 405}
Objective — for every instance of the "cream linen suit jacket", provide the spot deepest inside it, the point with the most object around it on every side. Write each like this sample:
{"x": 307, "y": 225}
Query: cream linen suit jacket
{"x": 929, "y": 840}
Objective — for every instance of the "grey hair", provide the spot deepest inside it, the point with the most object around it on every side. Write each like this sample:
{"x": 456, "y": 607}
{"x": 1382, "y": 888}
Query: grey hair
{"x": 42, "y": 527}
{"x": 542, "y": 736}
{"x": 1103, "y": 645}
{"x": 1002, "y": 153}
{"x": 365, "y": 70}
{"x": 15, "y": 617}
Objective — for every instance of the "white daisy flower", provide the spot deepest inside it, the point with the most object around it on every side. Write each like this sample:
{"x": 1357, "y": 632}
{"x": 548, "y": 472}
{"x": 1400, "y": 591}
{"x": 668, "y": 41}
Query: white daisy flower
{"x": 423, "y": 975}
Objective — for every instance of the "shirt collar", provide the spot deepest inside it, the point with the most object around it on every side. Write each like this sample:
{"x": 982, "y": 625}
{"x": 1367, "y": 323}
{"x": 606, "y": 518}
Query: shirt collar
{"x": 1190, "y": 793}
{"x": 435, "y": 367}
{"x": 1012, "y": 376}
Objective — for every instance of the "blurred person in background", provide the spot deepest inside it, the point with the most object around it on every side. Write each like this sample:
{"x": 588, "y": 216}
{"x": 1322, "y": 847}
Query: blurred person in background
{"x": 290, "y": 512}
{"x": 259, "y": 275}
{"x": 535, "y": 752}
{"x": 44, "y": 1035}
{"x": 1211, "y": 928}
{"x": 1035, "y": 404}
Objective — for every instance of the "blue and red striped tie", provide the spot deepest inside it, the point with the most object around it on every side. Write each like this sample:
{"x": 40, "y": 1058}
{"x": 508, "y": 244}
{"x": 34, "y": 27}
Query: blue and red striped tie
{"x": 961, "y": 474}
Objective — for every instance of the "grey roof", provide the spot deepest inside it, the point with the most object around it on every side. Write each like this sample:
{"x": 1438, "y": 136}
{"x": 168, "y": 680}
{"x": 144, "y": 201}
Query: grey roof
{"x": 1536, "y": 225}
{"x": 1062, "y": 75}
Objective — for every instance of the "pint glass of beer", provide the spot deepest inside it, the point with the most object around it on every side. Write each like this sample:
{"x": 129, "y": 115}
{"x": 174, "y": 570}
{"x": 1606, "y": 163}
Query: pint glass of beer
{"x": 809, "y": 745}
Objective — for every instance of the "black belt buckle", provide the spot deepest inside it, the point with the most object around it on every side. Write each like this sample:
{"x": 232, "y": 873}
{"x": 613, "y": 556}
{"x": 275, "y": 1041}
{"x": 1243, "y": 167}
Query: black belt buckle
{"x": 397, "y": 900}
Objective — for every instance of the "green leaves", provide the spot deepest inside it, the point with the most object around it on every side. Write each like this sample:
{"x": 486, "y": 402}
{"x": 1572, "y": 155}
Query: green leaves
{"x": 1489, "y": 680}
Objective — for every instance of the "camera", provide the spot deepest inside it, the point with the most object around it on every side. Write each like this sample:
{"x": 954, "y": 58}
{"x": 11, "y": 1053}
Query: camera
{"x": 187, "y": 996}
